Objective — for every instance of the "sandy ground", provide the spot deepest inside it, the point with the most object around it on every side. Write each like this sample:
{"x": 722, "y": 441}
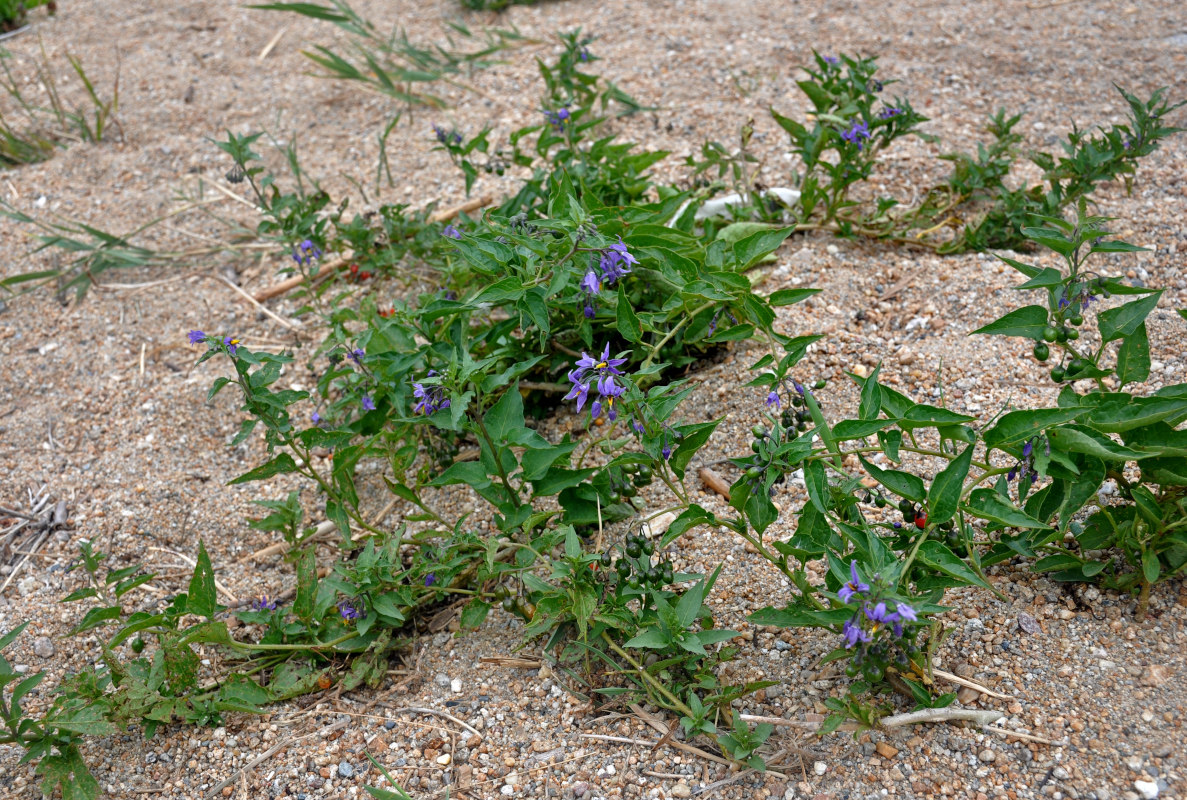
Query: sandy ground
{"x": 101, "y": 404}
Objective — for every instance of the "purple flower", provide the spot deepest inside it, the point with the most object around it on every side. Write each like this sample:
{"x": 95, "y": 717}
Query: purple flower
{"x": 879, "y": 615}
{"x": 231, "y": 344}
{"x": 616, "y": 262}
{"x": 906, "y": 612}
{"x": 305, "y": 252}
{"x": 889, "y": 112}
{"x": 557, "y": 118}
{"x": 1012, "y": 474}
{"x": 667, "y": 451}
{"x": 451, "y": 232}
{"x": 637, "y": 426}
{"x": 316, "y": 418}
{"x": 898, "y": 525}
{"x": 580, "y": 391}
{"x": 446, "y": 137}
{"x": 429, "y": 399}
{"x": 590, "y": 283}
{"x": 197, "y": 337}
{"x": 831, "y": 60}
{"x": 857, "y": 133}
{"x": 773, "y": 399}
{"x": 263, "y": 603}
{"x": 430, "y": 579}
{"x": 853, "y": 634}
{"x": 854, "y": 586}
{"x": 588, "y": 370}
{"x": 356, "y": 356}
{"x": 351, "y": 609}
{"x": 583, "y": 55}
{"x": 1027, "y": 449}
{"x": 368, "y": 403}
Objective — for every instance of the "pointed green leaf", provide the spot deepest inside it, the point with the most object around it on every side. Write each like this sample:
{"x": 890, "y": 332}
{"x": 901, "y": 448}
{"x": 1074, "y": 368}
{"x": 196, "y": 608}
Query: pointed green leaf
{"x": 1116, "y": 323}
{"x": 1133, "y": 357}
{"x": 1027, "y": 321}
{"x": 944, "y": 495}
{"x": 202, "y": 599}
{"x": 904, "y": 484}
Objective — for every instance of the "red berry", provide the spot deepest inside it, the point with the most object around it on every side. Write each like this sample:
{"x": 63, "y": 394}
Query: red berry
{"x": 921, "y": 519}
{"x": 354, "y": 268}
{"x": 364, "y": 276}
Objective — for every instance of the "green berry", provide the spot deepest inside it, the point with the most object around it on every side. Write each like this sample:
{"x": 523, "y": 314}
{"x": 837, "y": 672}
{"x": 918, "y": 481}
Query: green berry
{"x": 756, "y": 445}
{"x": 1076, "y": 320}
{"x": 759, "y": 431}
{"x": 1057, "y": 374}
{"x": 1076, "y": 366}
{"x": 1061, "y": 334}
{"x": 137, "y": 645}
{"x": 1073, "y": 334}
{"x": 753, "y": 473}
{"x": 1042, "y": 352}
{"x": 1050, "y": 334}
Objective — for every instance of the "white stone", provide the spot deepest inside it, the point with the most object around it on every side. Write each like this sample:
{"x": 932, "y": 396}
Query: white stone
{"x": 456, "y": 685}
{"x": 820, "y": 768}
{"x": 1147, "y": 789}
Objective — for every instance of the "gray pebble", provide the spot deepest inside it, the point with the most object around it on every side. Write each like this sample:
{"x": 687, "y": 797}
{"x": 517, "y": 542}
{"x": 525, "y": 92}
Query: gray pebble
{"x": 43, "y": 647}
{"x": 389, "y": 724}
{"x": 987, "y": 756}
{"x": 442, "y": 679}
{"x": 345, "y": 770}
{"x": 1060, "y": 774}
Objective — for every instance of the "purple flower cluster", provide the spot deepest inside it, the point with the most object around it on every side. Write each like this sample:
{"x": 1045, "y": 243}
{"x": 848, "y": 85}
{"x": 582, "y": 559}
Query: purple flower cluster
{"x": 857, "y": 133}
{"x": 597, "y": 373}
{"x": 451, "y": 232}
{"x": 446, "y": 137}
{"x": 889, "y": 112}
{"x": 306, "y": 252}
{"x": 557, "y": 118}
{"x": 429, "y": 399}
{"x": 1026, "y": 465}
{"x": 874, "y": 614}
{"x": 832, "y": 61}
{"x": 614, "y": 263}
{"x": 350, "y": 609}
{"x": 263, "y": 603}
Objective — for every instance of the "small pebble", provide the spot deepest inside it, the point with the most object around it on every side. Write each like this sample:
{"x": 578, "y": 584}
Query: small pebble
{"x": 1147, "y": 789}
{"x": 345, "y": 770}
{"x": 987, "y": 756}
{"x": 820, "y": 768}
{"x": 43, "y": 647}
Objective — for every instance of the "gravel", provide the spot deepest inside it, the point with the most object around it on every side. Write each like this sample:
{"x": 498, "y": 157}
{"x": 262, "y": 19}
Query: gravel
{"x": 101, "y": 402}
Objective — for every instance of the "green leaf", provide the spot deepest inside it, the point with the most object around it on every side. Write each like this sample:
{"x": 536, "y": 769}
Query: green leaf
{"x": 748, "y": 251}
{"x": 1116, "y": 323}
{"x": 474, "y": 614}
{"x": 628, "y": 322}
{"x": 871, "y": 400}
{"x": 939, "y": 557}
{"x": 925, "y": 416}
{"x": 1047, "y": 277}
{"x": 1133, "y": 357}
{"x": 817, "y": 483}
{"x": 280, "y": 465}
{"x": 506, "y": 415}
{"x": 1080, "y": 439}
{"x": 944, "y": 496}
{"x": 1018, "y": 426}
{"x": 859, "y": 428}
{"x": 904, "y": 484}
{"x": 988, "y": 504}
{"x": 787, "y": 297}
{"x": 10, "y": 637}
{"x": 1027, "y": 321}
{"x": 800, "y": 617}
{"x": 97, "y": 617}
{"x": 694, "y": 439}
{"x": 202, "y": 598}
{"x": 649, "y": 637}
{"x": 1150, "y": 567}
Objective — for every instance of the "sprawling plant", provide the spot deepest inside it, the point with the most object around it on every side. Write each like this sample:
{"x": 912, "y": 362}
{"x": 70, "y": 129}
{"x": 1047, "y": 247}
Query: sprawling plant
{"x": 593, "y": 289}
